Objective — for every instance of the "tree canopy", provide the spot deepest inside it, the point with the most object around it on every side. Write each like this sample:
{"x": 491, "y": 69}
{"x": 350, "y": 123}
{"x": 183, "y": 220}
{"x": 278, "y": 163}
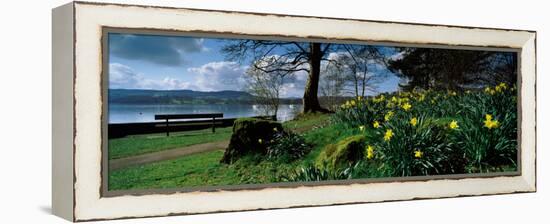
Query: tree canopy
{"x": 453, "y": 69}
{"x": 290, "y": 57}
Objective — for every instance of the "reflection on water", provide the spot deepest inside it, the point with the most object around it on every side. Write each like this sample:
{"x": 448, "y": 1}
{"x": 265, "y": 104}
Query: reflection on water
{"x": 132, "y": 113}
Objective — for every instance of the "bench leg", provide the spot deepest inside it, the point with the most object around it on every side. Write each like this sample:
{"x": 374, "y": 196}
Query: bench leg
{"x": 167, "y": 129}
{"x": 213, "y": 125}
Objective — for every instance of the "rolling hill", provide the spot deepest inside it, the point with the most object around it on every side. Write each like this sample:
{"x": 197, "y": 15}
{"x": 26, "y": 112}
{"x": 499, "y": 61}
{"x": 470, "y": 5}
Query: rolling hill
{"x": 141, "y": 96}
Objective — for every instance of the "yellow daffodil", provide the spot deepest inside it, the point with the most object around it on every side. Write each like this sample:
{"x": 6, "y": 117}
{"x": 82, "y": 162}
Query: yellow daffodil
{"x": 393, "y": 99}
{"x": 418, "y": 154}
{"x": 407, "y": 106}
{"x": 376, "y": 124}
{"x": 453, "y": 124}
{"x": 275, "y": 129}
{"x": 490, "y": 123}
{"x": 370, "y": 152}
{"x": 388, "y": 135}
{"x": 346, "y": 105}
{"x": 388, "y": 116}
{"x": 487, "y": 89}
{"x": 260, "y": 141}
{"x": 413, "y": 121}
{"x": 362, "y": 128}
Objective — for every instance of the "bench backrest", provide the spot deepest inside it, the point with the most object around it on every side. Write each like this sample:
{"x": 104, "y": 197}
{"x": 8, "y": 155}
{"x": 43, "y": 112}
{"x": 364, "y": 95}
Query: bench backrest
{"x": 186, "y": 116}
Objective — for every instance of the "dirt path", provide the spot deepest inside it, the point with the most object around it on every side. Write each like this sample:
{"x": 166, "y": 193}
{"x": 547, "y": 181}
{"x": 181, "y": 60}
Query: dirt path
{"x": 188, "y": 150}
{"x": 166, "y": 154}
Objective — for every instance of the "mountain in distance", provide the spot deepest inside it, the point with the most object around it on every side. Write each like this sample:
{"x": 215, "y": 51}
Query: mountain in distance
{"x": 177, "y": 97}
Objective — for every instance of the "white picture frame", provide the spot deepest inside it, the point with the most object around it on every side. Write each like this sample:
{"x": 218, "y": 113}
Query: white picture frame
{"x": 78, "y": 181}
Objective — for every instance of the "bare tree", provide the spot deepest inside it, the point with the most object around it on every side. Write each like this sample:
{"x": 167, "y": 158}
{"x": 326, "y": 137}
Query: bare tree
{"x": 294, "y": 57}
{"x": 332, "y": 85}
{"x": 266, "y": 86}
{"x": 356, "y": 63}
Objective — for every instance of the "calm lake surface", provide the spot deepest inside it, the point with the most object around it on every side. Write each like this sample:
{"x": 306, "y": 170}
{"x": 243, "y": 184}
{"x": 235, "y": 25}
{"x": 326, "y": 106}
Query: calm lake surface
{"x": 131, "y": 113}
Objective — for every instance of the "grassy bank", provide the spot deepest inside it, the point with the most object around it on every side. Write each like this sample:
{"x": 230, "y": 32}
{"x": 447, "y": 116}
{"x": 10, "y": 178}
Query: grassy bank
{"x": 141, "y": 144}
{"x": 204, "y": 169}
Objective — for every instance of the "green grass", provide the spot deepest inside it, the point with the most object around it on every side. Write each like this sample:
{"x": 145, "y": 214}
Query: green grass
{"x": 204, "y": 169}
{"x": 193, "y": 170}
{"x": 470, "y": 148}
{"x": 306, "y": 122}
{"x": 141, "y": 144}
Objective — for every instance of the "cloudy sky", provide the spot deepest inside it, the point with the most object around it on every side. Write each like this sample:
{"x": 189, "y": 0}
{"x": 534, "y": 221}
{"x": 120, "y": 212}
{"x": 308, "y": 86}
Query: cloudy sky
{"x": 172, "y": 63}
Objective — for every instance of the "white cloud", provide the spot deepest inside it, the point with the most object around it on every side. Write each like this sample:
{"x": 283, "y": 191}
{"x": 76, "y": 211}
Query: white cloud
{"x": 124, "y": 77}
{"x": 216, "y": 76}
{"x": 167, "y": 83}
{"x": 213, "y": 76}
{"x": 292, "y": 90}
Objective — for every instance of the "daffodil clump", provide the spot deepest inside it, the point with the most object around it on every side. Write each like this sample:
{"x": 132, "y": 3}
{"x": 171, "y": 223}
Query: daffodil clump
{"x": 427, "y": 132}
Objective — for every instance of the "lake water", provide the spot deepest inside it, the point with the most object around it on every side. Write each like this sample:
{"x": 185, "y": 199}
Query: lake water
{"x": 128, "y": 113}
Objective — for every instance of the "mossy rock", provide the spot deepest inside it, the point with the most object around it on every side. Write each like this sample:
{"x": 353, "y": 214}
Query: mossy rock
{"x": 346, "y": 151}
{"x": 250, "y": 136}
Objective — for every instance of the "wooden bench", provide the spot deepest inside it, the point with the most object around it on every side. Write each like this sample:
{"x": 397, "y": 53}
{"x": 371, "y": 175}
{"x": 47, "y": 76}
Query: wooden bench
{"x": 168, "y": 117}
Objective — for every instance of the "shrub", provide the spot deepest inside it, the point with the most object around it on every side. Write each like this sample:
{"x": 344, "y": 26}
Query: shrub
{"x": 420, "y": 149}
{"x": 287, "y": 146}
{"x": 345, "y": 152}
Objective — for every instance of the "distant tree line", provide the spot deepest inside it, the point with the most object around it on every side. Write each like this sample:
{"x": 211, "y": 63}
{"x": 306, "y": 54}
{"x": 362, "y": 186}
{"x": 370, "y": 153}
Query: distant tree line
{"x": 432, "y": 68}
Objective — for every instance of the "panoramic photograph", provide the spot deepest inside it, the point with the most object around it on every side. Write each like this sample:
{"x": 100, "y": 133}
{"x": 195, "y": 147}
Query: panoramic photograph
{"x": 192, "y": 111}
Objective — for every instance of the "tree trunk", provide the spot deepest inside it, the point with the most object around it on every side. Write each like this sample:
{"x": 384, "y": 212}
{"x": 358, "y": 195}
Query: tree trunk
{"x": 310, "y": 100}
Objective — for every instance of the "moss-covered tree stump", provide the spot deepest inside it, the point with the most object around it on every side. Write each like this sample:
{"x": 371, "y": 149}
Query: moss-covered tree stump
{"x": 250, "y": 136}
